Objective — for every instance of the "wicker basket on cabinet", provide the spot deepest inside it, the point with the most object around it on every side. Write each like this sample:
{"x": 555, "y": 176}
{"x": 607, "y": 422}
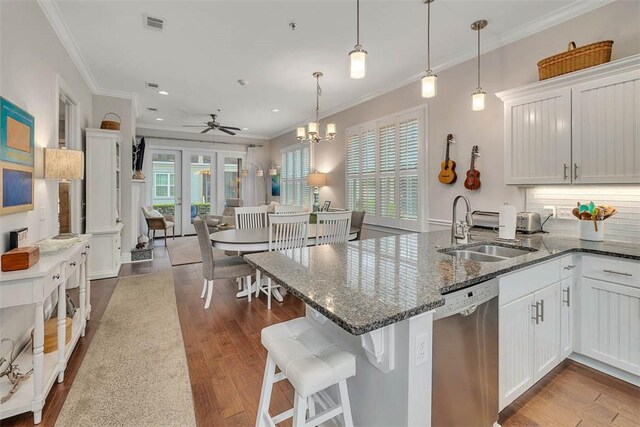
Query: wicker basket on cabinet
{"x": 575, "y": 59}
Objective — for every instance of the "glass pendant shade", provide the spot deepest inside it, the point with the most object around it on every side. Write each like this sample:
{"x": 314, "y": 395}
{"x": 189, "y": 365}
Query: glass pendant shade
{"x": 331, "y": 129}
{"x": 478, "y": 99}
{"x": 259, "y": 172}
{"x": 301, "y": 133}
{"x": 313, "y": 128}
{"x": 358, "y": 59}
{"x": 429, "y": 85}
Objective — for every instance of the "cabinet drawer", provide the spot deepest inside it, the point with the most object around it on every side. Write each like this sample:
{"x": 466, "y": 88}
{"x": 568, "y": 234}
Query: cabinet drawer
{"x": 520, "y": 283}
{"x": 567, "y": 266}
{"x": 73, "y": 265}
{"x": 614, "y": 270}
{"x": 53, "y": 279}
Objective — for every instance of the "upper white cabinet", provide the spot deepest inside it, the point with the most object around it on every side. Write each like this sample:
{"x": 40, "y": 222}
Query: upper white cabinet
{"x": 539, "y": 130}
{"x": 580, "y": 128}
{"x": 606, "y": 114}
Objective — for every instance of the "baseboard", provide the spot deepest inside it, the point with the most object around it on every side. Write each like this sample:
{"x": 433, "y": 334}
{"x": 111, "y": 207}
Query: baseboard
{"x": 605, "y": 368}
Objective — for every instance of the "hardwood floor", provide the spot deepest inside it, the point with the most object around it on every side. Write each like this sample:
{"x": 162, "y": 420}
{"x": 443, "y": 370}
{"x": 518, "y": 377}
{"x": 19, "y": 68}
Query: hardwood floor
{"x": 573, "y": 394}
{"x": 226, "y": 363}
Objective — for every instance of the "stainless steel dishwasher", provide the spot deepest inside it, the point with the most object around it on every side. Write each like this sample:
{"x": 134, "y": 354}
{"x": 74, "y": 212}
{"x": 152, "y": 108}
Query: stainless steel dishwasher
{"x": 465, "y": 358}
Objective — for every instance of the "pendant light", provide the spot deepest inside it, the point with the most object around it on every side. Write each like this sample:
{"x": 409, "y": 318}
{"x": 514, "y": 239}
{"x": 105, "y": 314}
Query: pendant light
{"x": 430, "y": 80}
{"x": 358, "y": 56}
{"x": 312, "y": 133}
{"x": 478, "y": 97}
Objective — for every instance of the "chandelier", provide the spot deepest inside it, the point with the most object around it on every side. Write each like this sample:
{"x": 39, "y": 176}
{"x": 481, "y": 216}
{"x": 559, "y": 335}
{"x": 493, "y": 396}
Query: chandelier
{"x": 312, "y": 133}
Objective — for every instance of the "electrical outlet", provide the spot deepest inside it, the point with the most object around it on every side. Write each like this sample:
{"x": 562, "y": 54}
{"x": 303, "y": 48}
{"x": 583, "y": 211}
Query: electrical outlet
{"x": 422, "y": 345}
{"x": 564, "y": 212}
{"x": 549, "y": 211}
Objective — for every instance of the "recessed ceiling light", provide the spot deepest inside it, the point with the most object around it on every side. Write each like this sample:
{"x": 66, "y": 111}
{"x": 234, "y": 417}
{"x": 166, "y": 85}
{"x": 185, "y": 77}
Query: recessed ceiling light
{"x": 163, "y": 92}
{"x": 275, "y": 110}
{"x": 159, "y": 119}
{"x": 245, "y": 128}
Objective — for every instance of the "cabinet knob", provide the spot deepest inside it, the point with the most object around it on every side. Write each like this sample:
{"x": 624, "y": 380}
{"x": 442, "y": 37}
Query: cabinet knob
{"x": 73, "y": 264}
{"x": 575, "y": 171}
{"x": 570, "y": 267}
{"x": 83, "y": 254}
{"x": 56, "y": 276}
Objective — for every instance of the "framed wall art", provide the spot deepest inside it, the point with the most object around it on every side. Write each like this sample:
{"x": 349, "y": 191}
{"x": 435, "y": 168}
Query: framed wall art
{"x": 16, "y": 158}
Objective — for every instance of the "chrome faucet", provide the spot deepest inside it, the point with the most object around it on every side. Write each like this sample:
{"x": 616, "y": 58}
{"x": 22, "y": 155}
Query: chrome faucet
{"x": 460, "y": 230}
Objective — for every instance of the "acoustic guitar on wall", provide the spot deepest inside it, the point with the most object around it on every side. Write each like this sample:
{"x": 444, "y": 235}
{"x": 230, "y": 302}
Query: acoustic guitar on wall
{"x": 472, "y": 182}
{"x": 447, "y": 173}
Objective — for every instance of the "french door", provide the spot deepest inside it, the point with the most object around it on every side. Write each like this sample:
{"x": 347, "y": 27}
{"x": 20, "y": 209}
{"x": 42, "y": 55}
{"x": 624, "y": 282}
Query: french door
{"x": 197, "y": 184}
{"x": 166, "y": 184}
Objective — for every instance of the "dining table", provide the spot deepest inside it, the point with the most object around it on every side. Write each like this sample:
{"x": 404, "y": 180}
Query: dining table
{"x": 257, "y": 240}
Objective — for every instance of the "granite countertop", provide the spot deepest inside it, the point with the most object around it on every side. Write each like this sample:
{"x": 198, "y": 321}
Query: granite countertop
{"x": 368, "y": 284}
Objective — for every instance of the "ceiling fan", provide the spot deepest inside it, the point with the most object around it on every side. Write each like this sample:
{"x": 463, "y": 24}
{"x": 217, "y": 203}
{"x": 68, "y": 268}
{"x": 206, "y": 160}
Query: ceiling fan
{"x": 213, "y": 125}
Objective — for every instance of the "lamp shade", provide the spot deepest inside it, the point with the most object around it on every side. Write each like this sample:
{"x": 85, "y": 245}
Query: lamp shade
{"x": 63, "y": 164}
{"x": 316, "y": 179}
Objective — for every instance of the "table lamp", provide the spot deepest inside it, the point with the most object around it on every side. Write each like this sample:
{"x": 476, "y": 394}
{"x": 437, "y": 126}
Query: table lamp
{"x": 316, "y": 180}
{"x": 65, "y": 166}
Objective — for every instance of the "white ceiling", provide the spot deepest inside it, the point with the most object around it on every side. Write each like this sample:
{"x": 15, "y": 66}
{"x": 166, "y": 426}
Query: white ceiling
{"x": 207, "y": 46}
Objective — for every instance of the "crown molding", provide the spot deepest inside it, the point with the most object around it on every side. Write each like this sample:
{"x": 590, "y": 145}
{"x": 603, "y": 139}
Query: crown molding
{"x": 195, "y": 132}
{"x": 53, "y": 14}
{"x": 565, "y": 13}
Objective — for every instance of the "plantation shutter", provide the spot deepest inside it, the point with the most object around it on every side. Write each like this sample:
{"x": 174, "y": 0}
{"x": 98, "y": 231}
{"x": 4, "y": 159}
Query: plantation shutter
{"x": 409, "y": 197}
{"x": 387, "y": 148}
{"x": 353, "y": 172}
{"x": 408, "y": 144}
{"x": 305, "y": 172}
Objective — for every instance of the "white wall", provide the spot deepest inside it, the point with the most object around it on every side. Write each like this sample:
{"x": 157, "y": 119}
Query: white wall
{"x": 450, "y": 112}
{"x": 31, "y": 57}
{"x": 125, "y": 109}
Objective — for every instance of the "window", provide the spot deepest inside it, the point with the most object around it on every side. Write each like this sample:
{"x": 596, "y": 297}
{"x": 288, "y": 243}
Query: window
{"x": 164, "y": 185}
{"x": 382, "y": 170}
{"x": 293, "y": 176}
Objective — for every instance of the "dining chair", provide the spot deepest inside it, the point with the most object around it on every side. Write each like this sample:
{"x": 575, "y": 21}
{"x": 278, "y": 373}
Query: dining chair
{"x": 229, "y": 267}
{"x": 251, "y": 217}
{"x": 333, "y": 227}
{"x": 286, "y": 232}
{"x": 287, "y": 209}
{"x": 357, "y": 220}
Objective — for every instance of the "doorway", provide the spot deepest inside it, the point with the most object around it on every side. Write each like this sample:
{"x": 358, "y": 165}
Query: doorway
{"x": 166, "y": 188}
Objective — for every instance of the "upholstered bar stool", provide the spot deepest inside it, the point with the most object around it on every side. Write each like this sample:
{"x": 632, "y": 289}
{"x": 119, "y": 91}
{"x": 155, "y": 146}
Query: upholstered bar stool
{"x": 311, "y": 363}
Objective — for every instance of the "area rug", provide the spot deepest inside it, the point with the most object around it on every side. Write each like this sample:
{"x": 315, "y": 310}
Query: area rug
{"x": 135, "y": 371}
{"x": 185, "y": 250}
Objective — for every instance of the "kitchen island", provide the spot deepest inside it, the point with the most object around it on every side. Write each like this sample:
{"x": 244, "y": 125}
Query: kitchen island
{"x": 377, "y": 299}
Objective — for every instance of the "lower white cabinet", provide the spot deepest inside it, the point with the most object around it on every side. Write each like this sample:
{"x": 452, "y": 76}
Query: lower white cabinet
{"x": 567, "y": 316}
{"x": 529, "y": 341}
{"x": 610, "y": 323}
{"x": 107, "y": 249}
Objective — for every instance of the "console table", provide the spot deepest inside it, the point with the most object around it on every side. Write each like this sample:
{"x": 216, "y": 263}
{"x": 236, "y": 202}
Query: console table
{"x": 33, "y": 286}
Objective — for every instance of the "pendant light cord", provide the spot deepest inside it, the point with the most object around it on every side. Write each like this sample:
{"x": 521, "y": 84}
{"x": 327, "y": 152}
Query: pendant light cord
{"x": 429, "y": 36}
{"x": 478, "y": 57}
{"x": 318, "y": 93}
{"x": 357, "y": 22}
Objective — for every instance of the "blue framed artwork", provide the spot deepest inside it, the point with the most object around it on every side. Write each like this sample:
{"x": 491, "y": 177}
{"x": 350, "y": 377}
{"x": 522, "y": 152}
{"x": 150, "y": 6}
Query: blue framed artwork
{"x": 275, "y": 185}
{"x": 16, "y": 158}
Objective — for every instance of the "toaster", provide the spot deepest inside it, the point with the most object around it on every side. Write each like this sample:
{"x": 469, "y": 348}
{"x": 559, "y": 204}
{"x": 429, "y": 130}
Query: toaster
{"x": 528, "y": 222}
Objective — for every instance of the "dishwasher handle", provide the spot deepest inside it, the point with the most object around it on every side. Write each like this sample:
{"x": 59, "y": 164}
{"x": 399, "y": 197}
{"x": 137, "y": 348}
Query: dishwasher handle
{"x": 469, "y": 311}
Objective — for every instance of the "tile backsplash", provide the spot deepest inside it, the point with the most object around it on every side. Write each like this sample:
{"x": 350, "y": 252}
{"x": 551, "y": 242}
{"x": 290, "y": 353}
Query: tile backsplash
{"x": 624, "y": 225}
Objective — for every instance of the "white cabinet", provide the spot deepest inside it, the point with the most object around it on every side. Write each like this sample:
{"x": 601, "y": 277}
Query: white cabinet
{"x": 546, "y": 343}
{"x": 103, "y": 201}
{"x": 610, "y": 307}
{"x": 606, "y": 113}
{"x": 577, "y": 128}
{"x": 567, "y": 317}
{"x": 516, "y": 348}
{"x": 538, "y": 131}
{"x": 529, "y": 328}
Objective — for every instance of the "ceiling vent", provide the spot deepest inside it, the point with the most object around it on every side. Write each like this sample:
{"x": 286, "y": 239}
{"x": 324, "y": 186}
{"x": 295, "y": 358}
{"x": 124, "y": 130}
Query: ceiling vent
{"x": 153, "y": 23}
{"x": 152, "y": 109}
{"x": 152, "y": 85}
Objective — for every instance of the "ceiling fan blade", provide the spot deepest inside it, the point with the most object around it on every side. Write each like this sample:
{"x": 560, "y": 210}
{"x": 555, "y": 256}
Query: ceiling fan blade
{"x": 229, "y": 127}
{"x": 206, "y": 130}
{"x": 226, "y": 131}
{"x": 192, "y": 126}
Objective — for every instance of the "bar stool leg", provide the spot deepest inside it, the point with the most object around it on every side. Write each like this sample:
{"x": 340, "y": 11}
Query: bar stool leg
{"x": 265, "y": 394}
{"x": 204, "y": 289}
{"x": 268, "y": 293}
{"x": 344, "y": 401}
{"x": 299, "y": 411}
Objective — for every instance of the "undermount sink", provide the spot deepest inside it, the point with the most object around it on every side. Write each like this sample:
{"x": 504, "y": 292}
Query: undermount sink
{"x": 487, "y": 252}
